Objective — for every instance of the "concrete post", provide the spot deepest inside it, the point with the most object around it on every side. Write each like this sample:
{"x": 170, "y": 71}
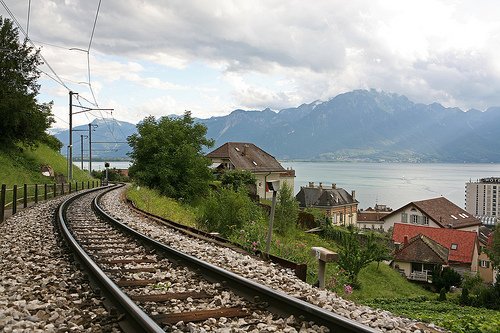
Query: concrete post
{"x": 323, "y": 255}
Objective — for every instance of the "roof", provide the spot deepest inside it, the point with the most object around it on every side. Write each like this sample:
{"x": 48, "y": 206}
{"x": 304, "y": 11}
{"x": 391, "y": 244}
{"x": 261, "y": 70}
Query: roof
{"x": 484, "y": 235}
{"x": 247, "y": 156}
{"x": 371, "y": 216}
{"x": 324, "y": 197}
{"x": 465, "y": 241}
{"x": 443, "y": 212}
{"x": 424, "y": 250}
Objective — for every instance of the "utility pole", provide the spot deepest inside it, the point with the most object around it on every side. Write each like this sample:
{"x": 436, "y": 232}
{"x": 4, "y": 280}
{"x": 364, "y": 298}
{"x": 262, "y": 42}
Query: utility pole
{"x": 71, "y": 113}
{"x": 81, "y": 149}
{"x": 90, "y": 149}
{"x": 70, "y": 146}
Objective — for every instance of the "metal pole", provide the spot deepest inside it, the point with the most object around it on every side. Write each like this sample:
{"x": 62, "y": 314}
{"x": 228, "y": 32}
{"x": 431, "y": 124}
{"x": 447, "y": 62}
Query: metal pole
{"x": 70, "y": 169}
{"x": 90, "y": 149}
{"x": 81, "y": 150}
{"x": 271, "y": 221}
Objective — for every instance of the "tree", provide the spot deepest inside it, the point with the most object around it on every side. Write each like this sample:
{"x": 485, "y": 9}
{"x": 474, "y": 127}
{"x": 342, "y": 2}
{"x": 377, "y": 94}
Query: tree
{"x": 354, "y": 256}
{"x": 493, "y": 249}
{"x": 167, "y": 156}
{"x": 287, "y": 210}
{"x": 24, "y": 120}
{"x": 236, "y": 179}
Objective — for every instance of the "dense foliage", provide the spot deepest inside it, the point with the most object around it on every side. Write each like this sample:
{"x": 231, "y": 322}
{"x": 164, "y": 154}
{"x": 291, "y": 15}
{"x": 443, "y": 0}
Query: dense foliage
{"x": 167, "y": 156}
{"x": 227, "y": 212}
{"x": 445, "y": 278}
{"x": 287, "y": 211}
{"x": 24, "y": 120}
{"x": 493, "y": 249}
{"x": 236, "y": 179}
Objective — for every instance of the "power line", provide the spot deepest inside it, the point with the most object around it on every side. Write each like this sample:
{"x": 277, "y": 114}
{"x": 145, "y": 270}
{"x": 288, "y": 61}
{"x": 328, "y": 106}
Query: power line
{"x": 28, "y": 21}
{"x": 88, "y": 51}
{"x": 13, "y": 17}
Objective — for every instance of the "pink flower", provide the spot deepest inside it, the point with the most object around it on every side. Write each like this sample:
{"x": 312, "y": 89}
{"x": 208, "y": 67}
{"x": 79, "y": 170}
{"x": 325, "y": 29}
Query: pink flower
{"x": 347, "y": 289}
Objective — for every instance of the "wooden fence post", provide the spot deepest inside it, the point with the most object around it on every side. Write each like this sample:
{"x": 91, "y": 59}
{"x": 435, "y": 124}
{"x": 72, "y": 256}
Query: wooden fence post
{"x": 83, "y": 185}
{"x": 88, "y": 184}
{"x": 45, "y": 191}
{"x": 55, "y": 190}
{"x": 2, "y": 202}
{"x": 36, "y": 193}
{"x": 14, "y": 199}
{"x": 25, "y": 195}
{"x": 62, "y": 188}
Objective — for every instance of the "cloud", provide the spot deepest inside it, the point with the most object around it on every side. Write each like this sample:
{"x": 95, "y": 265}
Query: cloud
{"x": 432, "y": 50}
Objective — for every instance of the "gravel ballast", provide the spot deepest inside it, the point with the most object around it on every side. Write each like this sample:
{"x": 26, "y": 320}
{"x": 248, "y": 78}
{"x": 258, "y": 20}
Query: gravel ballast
{"x": 41, "y": 290}
{"x": 267, "y": 274}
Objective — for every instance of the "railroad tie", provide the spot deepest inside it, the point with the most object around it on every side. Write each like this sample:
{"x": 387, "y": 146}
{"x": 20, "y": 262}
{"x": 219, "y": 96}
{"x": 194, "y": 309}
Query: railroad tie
{"x": 170, "y": 296}
{"x": 194, "y": 316}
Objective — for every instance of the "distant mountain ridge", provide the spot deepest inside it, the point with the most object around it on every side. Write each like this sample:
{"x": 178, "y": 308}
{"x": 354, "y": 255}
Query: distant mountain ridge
{"x": 366, "y": 125}
{"x": 362, "y": 125}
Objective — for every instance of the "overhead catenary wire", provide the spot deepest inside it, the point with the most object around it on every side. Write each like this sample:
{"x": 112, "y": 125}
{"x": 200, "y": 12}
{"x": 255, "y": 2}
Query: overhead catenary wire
{"x": 19, "y": 26}
{"x": 28, "y": 20}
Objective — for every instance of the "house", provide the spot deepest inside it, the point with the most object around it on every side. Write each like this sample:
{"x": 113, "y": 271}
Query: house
{"x": 419, "y": 256}
{"x": 247, "y": 156}
{"x": 339, "y": 206}
{"x": 372, "y": 218}
{"x": 462, "y": 246}
{"x": 485, "y": 267}
{"x": 436, "y": 213}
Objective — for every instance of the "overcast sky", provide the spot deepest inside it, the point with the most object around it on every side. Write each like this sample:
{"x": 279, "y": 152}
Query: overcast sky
{"x": 160, "y": 57}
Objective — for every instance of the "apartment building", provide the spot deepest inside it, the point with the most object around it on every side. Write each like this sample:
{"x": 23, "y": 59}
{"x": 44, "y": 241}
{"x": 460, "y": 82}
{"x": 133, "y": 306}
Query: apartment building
{"x": 482, "y": 199}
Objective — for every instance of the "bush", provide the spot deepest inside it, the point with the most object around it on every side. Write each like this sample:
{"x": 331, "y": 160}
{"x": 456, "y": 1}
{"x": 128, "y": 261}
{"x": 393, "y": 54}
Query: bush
{"x": 445, "y": 278}
{"x": 287, "y": 211}
{"x": 442, "y": 295}
{"x": 226, "y": 211}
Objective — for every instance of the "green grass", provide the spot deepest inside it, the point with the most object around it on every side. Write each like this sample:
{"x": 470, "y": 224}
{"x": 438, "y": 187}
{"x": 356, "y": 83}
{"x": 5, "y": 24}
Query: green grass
{"x": 153, "y": 202}
{"x": 456, "y": 318}
{"x": 385, "y": 282}
{"x": 23, "y": 166}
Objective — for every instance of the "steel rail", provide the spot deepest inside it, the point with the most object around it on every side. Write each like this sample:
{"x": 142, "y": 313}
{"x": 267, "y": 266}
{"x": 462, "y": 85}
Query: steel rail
{"x": 137, "y": 319}
{"x": 270, "y": 299}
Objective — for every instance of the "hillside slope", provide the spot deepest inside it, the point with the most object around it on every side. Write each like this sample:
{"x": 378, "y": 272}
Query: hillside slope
{"x": 22, "y": 166}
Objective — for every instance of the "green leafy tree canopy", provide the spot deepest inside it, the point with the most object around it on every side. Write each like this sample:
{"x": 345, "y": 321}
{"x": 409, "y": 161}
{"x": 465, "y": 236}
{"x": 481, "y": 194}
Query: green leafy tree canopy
{"x": 24, "y": 120}
{"x": 236, "y": 179}
{"x": 287, "y": 210}
{"x": 167, "y": 156}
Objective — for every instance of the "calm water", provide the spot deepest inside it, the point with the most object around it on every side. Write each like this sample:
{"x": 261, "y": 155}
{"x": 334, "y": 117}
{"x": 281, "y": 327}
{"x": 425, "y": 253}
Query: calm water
{"x": 394, "y": 184}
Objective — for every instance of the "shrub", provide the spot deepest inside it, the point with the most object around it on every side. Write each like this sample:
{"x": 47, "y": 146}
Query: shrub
{"x": 226, "y": 211}
{"x": 445, "y": 278}
{"x": 287, "y": 211}
{"x": 442, "y": 295}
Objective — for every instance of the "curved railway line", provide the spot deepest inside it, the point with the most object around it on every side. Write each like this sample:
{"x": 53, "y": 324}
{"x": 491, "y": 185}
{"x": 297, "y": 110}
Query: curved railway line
{"x": 156, "y": 288}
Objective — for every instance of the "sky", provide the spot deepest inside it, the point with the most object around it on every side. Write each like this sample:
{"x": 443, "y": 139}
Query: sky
{"x": 161, "y": 57}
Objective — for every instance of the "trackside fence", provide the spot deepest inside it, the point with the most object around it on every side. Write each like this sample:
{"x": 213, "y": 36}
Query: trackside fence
{"x": 21, "y": 196}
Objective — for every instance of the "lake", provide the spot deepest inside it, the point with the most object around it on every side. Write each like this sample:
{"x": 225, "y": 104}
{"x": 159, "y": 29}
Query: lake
{"x": 393, "y": 184}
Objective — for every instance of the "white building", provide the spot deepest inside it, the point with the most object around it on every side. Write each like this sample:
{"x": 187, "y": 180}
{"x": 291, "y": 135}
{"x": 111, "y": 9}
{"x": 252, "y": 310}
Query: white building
{"x": 482, "y": 199}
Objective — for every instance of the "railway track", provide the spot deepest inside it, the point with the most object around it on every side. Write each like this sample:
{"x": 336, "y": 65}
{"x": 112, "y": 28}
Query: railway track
{"x": 157, "y": 288}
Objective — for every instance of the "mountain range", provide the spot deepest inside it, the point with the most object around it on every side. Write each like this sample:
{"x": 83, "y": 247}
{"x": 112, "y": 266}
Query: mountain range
{"x": 362, "y": 125}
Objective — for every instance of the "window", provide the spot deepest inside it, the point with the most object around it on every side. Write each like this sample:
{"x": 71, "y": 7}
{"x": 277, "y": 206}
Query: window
{"x": 454, "y": 246}
{"x": 414, "y": 219}
{"x": 404, "y": 217}
{"x": 425, "y": 220}
{"x": 484, "y": 263}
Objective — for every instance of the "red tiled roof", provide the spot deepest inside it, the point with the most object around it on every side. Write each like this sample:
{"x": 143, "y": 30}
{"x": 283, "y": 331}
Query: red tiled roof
{"x": 465, "y": 240}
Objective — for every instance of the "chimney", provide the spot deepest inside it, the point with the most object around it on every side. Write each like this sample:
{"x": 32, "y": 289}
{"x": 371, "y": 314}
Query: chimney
{"x": 311, "y": 184}
{"x": 320, "y": 185}
{"x": 405, "y": 242}
{"x": 334, "y": 186}
{"x": 245, "y": 146}
{"x": 353, "y": 195}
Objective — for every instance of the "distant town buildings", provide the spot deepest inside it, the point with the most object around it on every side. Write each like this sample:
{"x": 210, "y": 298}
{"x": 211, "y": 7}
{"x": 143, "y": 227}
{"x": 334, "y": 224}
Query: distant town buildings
{"x": 371, "y": 218}
{"x": 482, "y": 199}
{"x": 247, "y": 156}
{"x": 339, "y": 206}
